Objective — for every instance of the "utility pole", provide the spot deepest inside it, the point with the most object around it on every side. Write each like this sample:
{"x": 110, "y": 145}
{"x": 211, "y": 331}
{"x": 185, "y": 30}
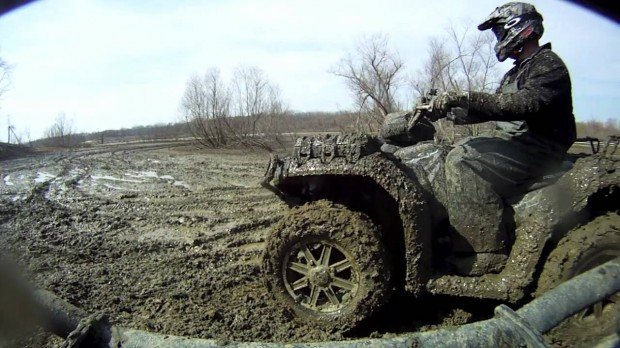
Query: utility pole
{"x": 17, "y": 140}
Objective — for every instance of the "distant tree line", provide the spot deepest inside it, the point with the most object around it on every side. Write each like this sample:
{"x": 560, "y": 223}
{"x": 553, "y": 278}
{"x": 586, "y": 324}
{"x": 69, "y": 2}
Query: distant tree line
{"x": 62, "y": 134}
{"x": 299, "y": 123}
{"x": 598, "y": 129}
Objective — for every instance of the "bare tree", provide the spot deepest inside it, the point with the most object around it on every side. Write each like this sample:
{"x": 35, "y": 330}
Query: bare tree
{"x": 432, "y": 75}
{"x": 249, "y": 111}
{"x": 62, "y": 132}
{"x": 462, "y": 60}
{"x": 373, "y": 73}
{"x": 206, "y": 106}
{"x": 24, "y": 136}
{"x": 261, "y": 114}
{"x": 277, "y": 121}
{"x": 251, "y": 89}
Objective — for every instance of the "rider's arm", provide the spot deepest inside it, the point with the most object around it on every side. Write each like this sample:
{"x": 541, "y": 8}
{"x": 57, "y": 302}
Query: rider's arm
{"x": 547, "y": 82}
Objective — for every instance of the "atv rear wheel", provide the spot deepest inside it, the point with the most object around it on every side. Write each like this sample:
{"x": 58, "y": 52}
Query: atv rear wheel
{"x": 327, "y": 265}
{"x": 580, "y": 250}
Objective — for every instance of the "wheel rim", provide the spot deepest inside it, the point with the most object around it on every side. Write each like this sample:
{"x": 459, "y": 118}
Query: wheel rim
{"x": 595, "y": 312}
{"x": 320, "y": 276}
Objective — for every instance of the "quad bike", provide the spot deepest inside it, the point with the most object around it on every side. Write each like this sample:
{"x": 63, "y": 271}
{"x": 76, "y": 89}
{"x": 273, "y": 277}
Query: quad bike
{"x": 365, "y": 221}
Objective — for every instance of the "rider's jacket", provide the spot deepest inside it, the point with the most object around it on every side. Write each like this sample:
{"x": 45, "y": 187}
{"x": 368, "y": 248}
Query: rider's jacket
{"x": 533, "y": 103}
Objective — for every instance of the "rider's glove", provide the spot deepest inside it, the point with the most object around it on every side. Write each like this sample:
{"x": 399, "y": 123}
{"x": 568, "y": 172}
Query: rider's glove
{"x": 444, "y": 102}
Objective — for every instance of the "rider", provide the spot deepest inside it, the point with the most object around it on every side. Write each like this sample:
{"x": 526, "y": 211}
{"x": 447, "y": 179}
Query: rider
{"x": 533, "y": 107}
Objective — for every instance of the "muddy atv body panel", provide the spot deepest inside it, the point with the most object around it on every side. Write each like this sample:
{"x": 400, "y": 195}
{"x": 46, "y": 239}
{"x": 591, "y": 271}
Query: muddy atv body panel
{"x": 402, "y": 198}
{"x": 351, "y": 170}
{"x": 542, "y": 217}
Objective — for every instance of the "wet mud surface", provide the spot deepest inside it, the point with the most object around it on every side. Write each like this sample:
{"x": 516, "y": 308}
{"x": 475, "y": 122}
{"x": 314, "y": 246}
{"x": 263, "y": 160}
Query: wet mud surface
{"x": 169, "y": 239}
{"x": 164, "y": 239}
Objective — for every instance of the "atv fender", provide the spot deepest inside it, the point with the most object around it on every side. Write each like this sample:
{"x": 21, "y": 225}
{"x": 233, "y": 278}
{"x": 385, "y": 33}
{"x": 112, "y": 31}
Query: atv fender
{"x": 398, "y": 181}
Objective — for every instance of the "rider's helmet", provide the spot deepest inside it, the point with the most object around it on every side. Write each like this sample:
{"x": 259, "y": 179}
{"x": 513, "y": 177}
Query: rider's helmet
{"x": 513, "y": 24}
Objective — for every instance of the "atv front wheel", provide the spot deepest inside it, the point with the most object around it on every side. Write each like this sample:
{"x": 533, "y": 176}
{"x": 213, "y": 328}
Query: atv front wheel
{"x": 327, "y": 265}
{"x": 580, "y": 250}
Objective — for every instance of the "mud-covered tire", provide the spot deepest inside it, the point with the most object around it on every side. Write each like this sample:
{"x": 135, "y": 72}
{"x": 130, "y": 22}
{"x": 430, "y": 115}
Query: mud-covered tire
{"x": 348, "y": 235}
{"x": 580, "y": 250}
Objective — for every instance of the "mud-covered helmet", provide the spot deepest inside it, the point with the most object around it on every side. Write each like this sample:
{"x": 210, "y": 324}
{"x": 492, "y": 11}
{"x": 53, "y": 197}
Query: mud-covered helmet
{"x": 513, "y": 24}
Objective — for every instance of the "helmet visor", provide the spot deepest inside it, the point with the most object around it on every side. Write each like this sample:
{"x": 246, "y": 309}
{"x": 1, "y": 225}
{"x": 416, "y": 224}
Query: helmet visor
{"x": 499, "y": 31}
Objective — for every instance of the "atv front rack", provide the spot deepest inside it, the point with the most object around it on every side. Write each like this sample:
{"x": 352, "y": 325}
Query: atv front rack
{"x": 325, "y": 148}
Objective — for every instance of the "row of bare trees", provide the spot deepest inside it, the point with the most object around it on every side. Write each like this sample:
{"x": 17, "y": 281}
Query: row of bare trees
{"x": 598, "y": 129}
{"x": 247, "y": 111}
{"x": 461, "y": 60}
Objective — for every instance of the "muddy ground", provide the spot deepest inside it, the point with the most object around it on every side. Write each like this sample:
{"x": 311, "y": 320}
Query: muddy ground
{"x": 163, "y": 238}
{"x": 167, "y": 238}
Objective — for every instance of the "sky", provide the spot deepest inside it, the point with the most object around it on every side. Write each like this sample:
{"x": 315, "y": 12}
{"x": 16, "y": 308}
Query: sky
{"x": 110, "y": 64}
